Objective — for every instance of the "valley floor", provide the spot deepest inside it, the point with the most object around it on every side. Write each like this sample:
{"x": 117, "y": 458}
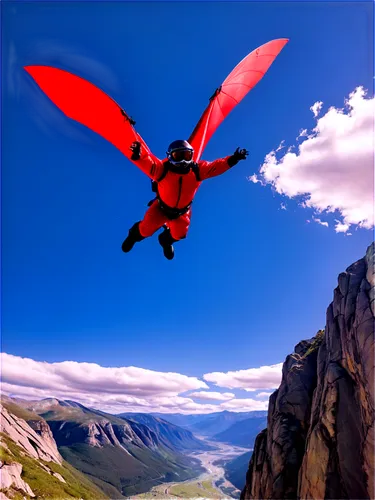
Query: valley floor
{"x": 210, "y": 484}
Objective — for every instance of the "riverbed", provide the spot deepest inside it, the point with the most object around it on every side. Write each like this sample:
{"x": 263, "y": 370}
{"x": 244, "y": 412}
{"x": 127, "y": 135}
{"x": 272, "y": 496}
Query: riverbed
{"x": 206, "y": 485}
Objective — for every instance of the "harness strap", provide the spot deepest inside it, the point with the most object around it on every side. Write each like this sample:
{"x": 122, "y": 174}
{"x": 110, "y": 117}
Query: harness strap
{"x": 195, "y": 169}
{"x": 172, "y": 213}
{"x": 167, "y": 168}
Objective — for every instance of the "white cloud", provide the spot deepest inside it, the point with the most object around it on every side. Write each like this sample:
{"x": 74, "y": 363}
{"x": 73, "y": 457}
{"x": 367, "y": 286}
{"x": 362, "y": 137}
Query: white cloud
{"x": 332, "y": 169}
{"x": 253, "y": 178}
{"x": 319, "y": 221}
{"x": 244, "y": 405}
{"x": 340, "y": 227}
{"x": 174, "y": 404}
{"x": 73, "y": 377}
{"x": 263, "y": 395}
{"x": 283, "y": 206}
{"x": 264, "y": 377}
{"x": 303, "y": 133}
{"x": 212, "y": 396}
{"x": 316, "y": 108}
{"x": 114, "y": 389}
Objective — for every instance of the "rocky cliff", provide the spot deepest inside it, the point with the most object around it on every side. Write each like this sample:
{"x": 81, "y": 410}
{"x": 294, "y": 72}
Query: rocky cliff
{"x": 102, "y": 433}
{"x": 319, "y": 441}
{"x": 72, "y": 423}
{"x": 37, "y": 442}
{"x": 30, "y": 464}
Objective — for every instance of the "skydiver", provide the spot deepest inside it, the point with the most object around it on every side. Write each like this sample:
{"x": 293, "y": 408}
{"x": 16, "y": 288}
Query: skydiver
{"x": 175, "y": 182}
{"x": 175, "y": 179}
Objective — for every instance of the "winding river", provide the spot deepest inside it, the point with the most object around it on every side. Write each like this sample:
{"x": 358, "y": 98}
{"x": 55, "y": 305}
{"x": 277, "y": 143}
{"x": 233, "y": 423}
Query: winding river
{"x": 204, "y": 486}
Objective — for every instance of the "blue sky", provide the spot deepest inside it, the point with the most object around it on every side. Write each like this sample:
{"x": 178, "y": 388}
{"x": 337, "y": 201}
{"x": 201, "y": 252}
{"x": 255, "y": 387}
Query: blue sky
{"x": 251, "y": 280}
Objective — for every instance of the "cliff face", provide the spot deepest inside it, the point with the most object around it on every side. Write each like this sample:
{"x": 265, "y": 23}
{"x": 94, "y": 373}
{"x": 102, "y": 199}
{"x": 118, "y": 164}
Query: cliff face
{"x": 319, "y": 441}
{"x": 102, "y": 433}
{"x": 30, "y": 465}
{"x": 11, "y": 480}
{"x": 72, "y": 423}
{"x": 37, "y": 442}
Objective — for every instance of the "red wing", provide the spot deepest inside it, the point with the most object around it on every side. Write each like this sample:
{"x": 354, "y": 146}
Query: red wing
{"x": 87, "y": 104}
{"x": 238, "y": 83}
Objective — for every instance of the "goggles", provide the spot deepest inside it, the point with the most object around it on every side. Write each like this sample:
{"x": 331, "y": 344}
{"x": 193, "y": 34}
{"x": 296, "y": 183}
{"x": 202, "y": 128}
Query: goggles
{"x": 182, "y": 154}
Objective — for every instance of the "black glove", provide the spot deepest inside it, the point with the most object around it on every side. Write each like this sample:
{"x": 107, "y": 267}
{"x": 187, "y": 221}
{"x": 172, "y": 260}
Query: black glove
{"x": 239, "y": 154}
{"x": 136, "y": 148}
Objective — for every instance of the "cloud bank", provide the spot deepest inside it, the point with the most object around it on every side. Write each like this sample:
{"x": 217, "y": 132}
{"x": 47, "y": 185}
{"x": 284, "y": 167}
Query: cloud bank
{"x": 332, "y": 168}
{"x": 92, "y": 378}
{"x": 120, "y": 389}
{"x": 253, "y": 379}
{"x": 212, "y": 396}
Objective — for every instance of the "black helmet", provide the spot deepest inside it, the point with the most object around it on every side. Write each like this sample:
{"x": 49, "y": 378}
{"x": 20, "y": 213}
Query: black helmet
{"x": 180, "y": 153}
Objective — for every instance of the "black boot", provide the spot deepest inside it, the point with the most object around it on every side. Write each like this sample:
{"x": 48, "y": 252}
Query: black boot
{"x": 132, "y": 238}
{"x": 166, "y": 240}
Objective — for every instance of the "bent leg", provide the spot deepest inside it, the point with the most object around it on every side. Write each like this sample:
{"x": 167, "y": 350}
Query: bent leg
{"x": 179, "y": 227}
{"x": 177, "y": 230}
{"x": 153, "y": 220}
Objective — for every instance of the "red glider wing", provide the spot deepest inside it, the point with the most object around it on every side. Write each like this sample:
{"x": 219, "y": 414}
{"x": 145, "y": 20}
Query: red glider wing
{"x": 87, "y": 104}
{"x": 238, "y": 83}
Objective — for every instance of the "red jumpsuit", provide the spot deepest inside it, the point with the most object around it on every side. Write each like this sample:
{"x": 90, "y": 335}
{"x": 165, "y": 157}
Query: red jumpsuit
{"x": 177, "y": 191}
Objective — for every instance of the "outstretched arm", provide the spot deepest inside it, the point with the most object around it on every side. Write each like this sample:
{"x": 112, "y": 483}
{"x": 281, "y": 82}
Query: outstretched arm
{"x": 147, "y": 162}
{"x": 209, "y": 169}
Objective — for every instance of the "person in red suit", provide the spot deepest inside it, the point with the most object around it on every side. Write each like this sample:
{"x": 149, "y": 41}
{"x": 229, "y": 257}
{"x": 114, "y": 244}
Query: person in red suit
{"x": 176, "y": 178}
{"x": 175, "y": 182}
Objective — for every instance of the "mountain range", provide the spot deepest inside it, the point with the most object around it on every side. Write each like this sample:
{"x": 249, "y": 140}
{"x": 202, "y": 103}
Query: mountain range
{"x": 126, "y": 454}
{"x": 114, "y": 455}
{"x": 212, "y": 425}
{"x": 120, "y": 456}
{"x": 244, "y": 432}
{"x": 317, "y": 442}
{"x": 169, "y": 434}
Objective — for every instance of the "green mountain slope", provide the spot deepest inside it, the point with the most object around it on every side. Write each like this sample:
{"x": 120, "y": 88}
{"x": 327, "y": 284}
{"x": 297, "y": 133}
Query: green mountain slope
{"x": 121, "y": 456}
{"x": 112, "y": 469}
{"x": 169, "y": 434}
{"x": 17, "y": 410}
{"x": 38, "y": 474}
